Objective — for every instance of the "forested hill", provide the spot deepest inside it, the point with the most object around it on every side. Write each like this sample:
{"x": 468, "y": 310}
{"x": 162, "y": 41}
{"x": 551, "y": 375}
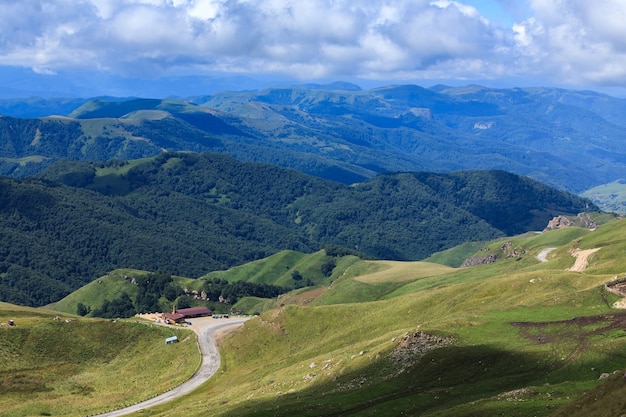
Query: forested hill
{"x": 189, "y": 214}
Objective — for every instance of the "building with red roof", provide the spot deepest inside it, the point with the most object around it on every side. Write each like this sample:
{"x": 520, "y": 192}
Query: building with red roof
{"x": 178, "y": 316}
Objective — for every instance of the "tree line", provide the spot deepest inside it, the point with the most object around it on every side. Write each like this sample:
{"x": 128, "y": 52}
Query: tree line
{"x": 158, "y": 292}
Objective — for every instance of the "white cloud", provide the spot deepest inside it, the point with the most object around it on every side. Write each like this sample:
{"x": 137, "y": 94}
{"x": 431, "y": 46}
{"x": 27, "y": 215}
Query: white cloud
{"x": 575, "y": 40}
{"x": 579, "y": 41}
{"x": 469, "y": 11}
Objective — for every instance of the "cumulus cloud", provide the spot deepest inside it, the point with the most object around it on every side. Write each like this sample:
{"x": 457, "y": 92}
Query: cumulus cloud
{"x": 576, "y": 40}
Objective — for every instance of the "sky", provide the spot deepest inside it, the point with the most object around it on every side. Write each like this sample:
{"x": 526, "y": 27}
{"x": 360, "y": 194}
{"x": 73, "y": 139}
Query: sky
{"x": 579, "y": 44}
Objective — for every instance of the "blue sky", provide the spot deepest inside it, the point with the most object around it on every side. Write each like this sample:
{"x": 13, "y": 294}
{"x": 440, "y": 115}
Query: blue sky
{"x": 114, "y": 46}
{"x": 501, "y": 12}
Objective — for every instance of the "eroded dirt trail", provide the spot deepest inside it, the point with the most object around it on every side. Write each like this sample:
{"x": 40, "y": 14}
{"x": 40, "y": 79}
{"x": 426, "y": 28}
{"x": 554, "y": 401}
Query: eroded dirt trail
{"x": 582, "y": 259}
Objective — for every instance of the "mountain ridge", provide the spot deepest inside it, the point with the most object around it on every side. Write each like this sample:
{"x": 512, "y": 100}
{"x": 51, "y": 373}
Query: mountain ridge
{"x": 347, "y": 134}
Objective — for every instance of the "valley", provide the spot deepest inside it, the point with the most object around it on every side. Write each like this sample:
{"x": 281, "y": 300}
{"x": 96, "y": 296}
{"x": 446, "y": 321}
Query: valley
{"x": 192, "y": 214}
{"x": 395, "y": 251}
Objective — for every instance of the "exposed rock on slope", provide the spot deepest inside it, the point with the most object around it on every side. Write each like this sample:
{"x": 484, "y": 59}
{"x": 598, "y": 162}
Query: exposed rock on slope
{"x": 561, "y": 222}
{"x": 415, "y": 345}
{"x": 479, "y": 260}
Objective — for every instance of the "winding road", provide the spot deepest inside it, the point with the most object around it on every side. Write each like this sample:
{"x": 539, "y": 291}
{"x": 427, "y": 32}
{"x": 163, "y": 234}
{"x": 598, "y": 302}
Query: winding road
{"x": 206, "y": 328}
{"x": 543, "y": 255}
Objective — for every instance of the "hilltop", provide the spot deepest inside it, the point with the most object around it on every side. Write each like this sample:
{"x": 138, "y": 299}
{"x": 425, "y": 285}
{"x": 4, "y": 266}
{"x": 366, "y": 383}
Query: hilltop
{"x": 343, "y": 133}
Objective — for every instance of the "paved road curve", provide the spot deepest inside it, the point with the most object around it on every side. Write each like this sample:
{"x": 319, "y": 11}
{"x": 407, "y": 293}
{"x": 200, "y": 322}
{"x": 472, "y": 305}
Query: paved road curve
{"x": 543, "y": 255}
{"x": 205, "y": 328}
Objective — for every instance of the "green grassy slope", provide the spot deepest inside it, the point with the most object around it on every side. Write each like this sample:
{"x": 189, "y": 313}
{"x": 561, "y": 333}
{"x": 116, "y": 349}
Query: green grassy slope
{"x": 279, "y": 270}
{"x": 110, "y": 287}
{"x": 92, "y": 295}
{"x": 275, "y": 269}
{"x": 61, "y": 365}
{"x": 519, "y": 337}
{"x": 609, "y": 197}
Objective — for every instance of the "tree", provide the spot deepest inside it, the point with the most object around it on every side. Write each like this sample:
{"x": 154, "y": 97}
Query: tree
{"x": 183, "y": 302}
{"x": 171, "y": 292}
{"x": 328, "y": 266}
{"x": 82, "y": 310}
{"x": 296, "y": 275}
{"x": 120, "y": 307}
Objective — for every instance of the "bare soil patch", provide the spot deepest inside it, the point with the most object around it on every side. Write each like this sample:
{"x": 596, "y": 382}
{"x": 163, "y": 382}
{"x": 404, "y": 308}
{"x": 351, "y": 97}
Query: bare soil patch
{"x": 304, "y": 298}
{"x": 582, "y": 259}
{"x": 577, "y": 330}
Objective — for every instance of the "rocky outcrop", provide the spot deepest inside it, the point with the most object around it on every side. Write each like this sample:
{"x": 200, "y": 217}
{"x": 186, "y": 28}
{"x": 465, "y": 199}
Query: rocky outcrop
{"x": 587, "y": 221}
{"x": 561, "y": 222}
{"x": 510, "y": 251}
{"x": 479, "y": 260}
{"x": 413, "y": 346}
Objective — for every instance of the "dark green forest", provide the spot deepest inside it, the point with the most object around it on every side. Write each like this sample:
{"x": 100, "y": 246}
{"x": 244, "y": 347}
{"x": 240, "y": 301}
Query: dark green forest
{"x": 190, "y": 214}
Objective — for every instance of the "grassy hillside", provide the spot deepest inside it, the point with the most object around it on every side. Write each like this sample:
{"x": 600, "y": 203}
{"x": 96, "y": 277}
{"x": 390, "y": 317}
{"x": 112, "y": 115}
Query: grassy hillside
{"x": 121, "y": 282}
{"x": 610, "y": 197}
{"x": 94, "y": 294}
{"x": 316, "y": 271}
{"x": 517, "y": 337}
{"x": 279, "y": 269}
{"x": 271, "y": 270}
{"x": 53, "y": 364}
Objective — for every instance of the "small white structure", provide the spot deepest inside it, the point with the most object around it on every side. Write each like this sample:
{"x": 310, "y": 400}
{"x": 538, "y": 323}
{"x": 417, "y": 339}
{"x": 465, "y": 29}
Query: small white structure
{"x": 172, "y": 339}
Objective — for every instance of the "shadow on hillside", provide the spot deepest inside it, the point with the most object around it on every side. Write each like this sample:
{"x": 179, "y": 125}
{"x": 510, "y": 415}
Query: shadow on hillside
{"x": 458, "y": 380}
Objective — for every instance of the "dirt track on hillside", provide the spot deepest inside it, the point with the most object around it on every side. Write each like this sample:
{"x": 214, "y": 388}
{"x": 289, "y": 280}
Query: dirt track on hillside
{"x": 577, "y": 329}
{"x": 582, "y": 259}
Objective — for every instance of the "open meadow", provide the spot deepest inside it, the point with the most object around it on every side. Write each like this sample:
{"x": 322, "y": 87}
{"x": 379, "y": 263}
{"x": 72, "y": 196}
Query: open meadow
{"x": 61, "y": 365}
